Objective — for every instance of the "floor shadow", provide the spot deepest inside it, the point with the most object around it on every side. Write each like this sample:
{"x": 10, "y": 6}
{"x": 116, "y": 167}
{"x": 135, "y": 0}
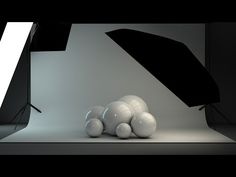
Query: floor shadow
{"x": 8, "y": 129}
{"x": 227, "y": 130}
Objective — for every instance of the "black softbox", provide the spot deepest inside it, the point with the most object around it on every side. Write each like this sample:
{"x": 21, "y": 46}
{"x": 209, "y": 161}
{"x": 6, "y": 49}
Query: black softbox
{"x": 172, "y": 63}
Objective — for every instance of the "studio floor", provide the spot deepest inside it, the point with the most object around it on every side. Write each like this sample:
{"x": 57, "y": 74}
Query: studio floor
{"x": 59, "y": 135}
{"x": 38, "y": 131}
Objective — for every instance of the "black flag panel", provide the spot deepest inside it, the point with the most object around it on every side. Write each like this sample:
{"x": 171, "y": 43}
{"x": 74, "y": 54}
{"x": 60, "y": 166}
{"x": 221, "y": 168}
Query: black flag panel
{"x": 51, "y": 36}
{"x": 172, "y": 63}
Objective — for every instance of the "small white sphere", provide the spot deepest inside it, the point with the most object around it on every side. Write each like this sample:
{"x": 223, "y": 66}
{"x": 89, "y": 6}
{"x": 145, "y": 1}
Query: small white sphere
{"x": 143, "y": 125}
{"x": 114, "y": 114}
{"x": 94, "y": 127}
{"x": 123, "y": 130}
{"x": 94, "y": 112}
{"x": 136, "y": 103}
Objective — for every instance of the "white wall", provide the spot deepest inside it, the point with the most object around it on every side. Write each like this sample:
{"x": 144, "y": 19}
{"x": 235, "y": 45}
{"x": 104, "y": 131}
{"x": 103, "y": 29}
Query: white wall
{"x": 94, "y": 70}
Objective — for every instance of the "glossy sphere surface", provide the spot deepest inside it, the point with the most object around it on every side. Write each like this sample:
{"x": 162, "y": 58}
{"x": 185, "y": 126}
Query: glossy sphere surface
{"x": 114, "y": 114}
{"x": 95, "y": 112}
{"x": 143, "y": 125}
{"x": 123, "y": 130}
{"x": 136, "y": 103}
{"x": 94, "y": 127}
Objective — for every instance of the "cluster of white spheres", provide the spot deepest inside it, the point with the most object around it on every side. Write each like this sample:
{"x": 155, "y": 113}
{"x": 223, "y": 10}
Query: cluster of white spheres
{"x": 114, "y": 114}
{"x": 120, "y": 118}
{"x": 136, "y": 103}
{"x": 94, "y": 126}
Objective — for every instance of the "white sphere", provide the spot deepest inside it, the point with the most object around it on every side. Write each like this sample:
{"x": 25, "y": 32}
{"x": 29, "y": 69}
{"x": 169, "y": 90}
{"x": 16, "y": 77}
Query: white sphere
{"x": 94, "y": 112}
{"x": 143, "y": 125}
{"x": 123, "y": 130}
{"x": 136, "y": 103}
{"x": 94, "y": 127}
{"x": 114, "y": 114}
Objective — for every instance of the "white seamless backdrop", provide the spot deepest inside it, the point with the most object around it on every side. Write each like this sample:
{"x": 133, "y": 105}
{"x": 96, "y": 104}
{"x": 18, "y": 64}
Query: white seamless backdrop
{"x": 94, "y": 70}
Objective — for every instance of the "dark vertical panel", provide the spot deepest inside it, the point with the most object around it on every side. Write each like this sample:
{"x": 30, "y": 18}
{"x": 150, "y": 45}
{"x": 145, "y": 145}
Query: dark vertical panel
{"x": 221, "y": 62}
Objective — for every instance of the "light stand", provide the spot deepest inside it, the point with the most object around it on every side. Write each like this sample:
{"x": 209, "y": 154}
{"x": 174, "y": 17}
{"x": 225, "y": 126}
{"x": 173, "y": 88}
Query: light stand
{"x": 22, "y": 110}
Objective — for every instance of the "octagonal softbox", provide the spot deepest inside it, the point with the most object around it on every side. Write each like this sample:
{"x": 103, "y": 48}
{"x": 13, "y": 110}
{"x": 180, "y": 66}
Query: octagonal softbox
{"x": 172, "y": 63}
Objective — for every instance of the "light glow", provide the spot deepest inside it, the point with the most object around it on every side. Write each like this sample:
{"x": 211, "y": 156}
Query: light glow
{"x": 11, "y": 46}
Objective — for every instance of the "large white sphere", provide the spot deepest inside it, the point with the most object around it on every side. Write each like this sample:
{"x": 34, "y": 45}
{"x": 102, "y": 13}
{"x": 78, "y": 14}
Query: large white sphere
{"x": 143, "y": 125}
{"x": 95, "y": 112}
{"x": 123, "y": 130}
{"x": 94, "y": 127}
{"x": 114, "y": 114}
{"x": 136, "y": 103}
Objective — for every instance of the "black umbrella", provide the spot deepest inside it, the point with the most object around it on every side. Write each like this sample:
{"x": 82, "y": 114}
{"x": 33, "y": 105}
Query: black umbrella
{"x": 172, "y": 63}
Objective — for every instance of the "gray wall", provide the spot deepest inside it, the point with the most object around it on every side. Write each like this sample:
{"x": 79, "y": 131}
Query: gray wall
{"x": 94, "y": 70}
